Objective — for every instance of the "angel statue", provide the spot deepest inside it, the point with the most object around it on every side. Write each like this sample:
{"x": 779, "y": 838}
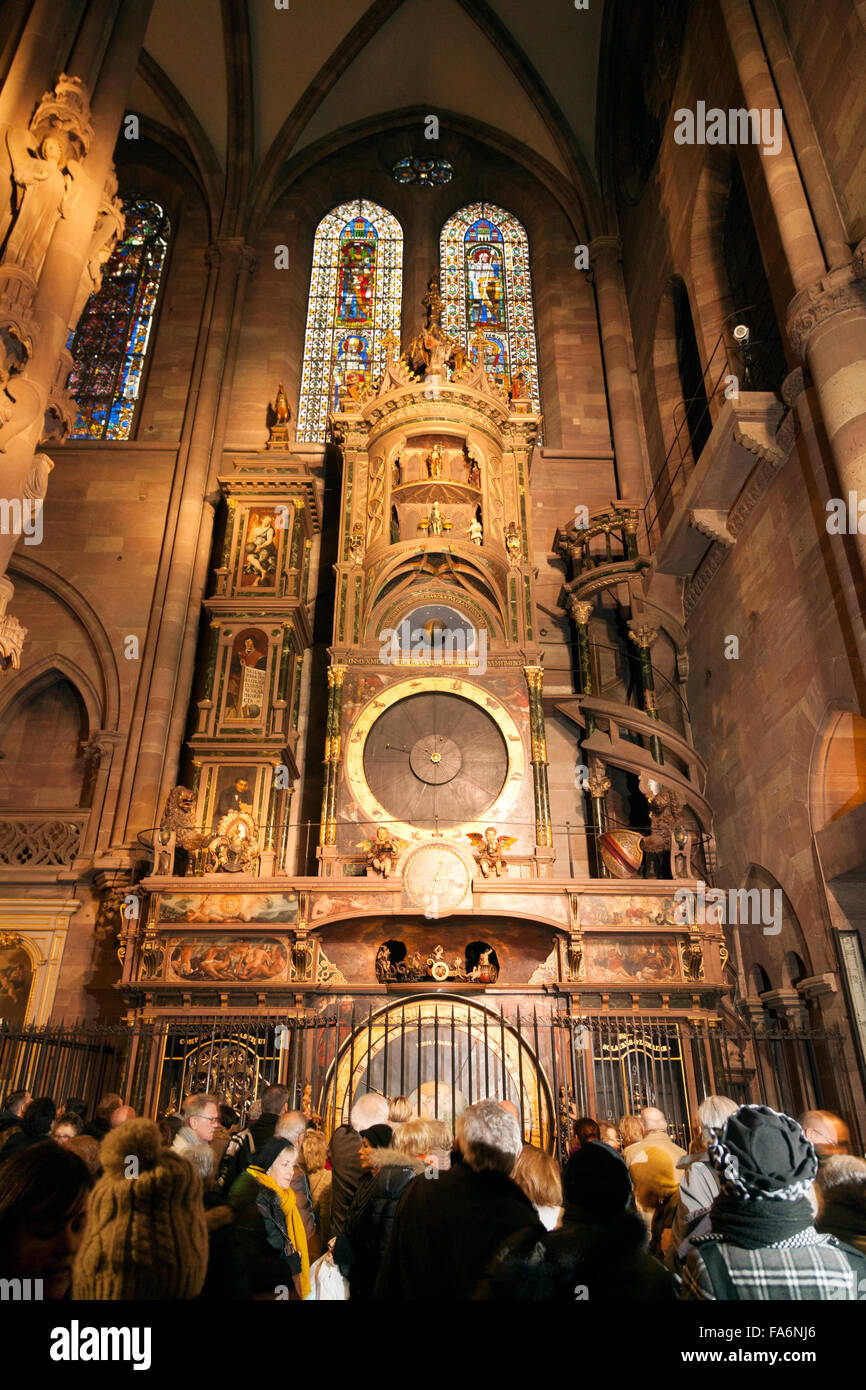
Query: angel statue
{"x": 490, "y": 847}
{"x": 383, "y": 852}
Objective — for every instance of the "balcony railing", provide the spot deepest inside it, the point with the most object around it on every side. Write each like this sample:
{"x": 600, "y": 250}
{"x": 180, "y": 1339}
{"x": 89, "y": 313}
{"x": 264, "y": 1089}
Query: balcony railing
{"x": 41, "y": 840}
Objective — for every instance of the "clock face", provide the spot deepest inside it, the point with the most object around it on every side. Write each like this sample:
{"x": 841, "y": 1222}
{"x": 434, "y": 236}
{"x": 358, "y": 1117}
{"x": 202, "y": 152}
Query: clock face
{"x": 435, "y": 759}
{"x": 437, "y": 878}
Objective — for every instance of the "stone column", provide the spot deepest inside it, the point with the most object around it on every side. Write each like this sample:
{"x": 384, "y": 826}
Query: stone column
{"x": 538, "y": 756}
{"x": 598, "y": 785}
{"x": 605, "y": 255}
{"x": 793, "y": 215}
{"x": 229, "y": 262}
{"x": 831, "y": 228}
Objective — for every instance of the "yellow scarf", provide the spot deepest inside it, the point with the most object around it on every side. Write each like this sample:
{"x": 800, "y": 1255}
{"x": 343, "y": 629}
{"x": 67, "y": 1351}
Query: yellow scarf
{"x": 294, "y": 1224}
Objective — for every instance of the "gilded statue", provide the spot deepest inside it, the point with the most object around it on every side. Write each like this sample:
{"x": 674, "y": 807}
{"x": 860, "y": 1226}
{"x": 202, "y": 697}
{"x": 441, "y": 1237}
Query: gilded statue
{"x": 383, "y": 851}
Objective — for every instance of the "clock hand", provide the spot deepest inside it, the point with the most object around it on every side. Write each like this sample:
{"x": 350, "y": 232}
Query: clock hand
{"x": 398, "y": 747}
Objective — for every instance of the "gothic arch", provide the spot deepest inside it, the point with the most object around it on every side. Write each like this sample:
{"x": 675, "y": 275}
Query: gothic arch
{"x": 394, "y": 592}
{"x": 837, "y": 777}
{"x": 64, "y": 592}
{"x": 31, "y": 682}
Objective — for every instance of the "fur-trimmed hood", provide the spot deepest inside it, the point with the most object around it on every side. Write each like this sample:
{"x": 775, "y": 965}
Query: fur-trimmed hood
{"x": 393, "y": 1158}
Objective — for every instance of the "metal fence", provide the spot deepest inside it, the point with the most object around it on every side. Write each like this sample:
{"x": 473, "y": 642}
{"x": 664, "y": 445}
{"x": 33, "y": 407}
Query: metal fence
{"x": 443, "y": 1053}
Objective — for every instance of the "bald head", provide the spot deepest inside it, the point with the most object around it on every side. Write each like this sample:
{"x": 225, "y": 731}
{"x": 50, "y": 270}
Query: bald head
{"x": 654, "y": 1120}
{"x": 121, "y": 1115}
{"x": 824, "y": 1129}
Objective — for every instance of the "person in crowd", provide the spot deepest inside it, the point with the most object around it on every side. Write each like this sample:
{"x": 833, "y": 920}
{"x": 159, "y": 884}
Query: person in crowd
{"x": 121, "y": 1115}
{"x": 399, "y": 1111}
{"x": 441, "y": 1144}
{"x": 510, "y": 1109}
{"x": 272, "y": 1239}
{"x": 609, "y": 1134}
{"x": 446, "y": 1232}
{"x": 78, "y": 1107}
{"x": 841, "y": 1184}
{"x": 651, "y": 1161}
{"x": 586, "y": 1131}
{"x": 538, "y": 1175}
{"x": 292, "y": 1125}
{"x": 67, "y": 1125}
{"x": 201, "y": 1115}
{"x": 763, "y": 1243}
{"x": 229, "y": 1121}
{"x": 699, "y": 1183}
{"x": 226, "y": 1276}
{"x": 370, "y": 1214}
{"x": 662, "y": 1195}
{"x": 146, "y": 1236}
{"x": 87, "y": 1149}
{"x": 631, "y": 1130}
{"x": 35, "y": 1126}
{"x": 598, "y": 1253}
{"x": 244, "y": 1143}
{"x": 828, "y": 1133}
{"x": 369, "y": 1109}
{"x": 14, "y": 1106}
{"x": 314, "y": 1152}
{"x": 43, "y": 1214}
{"x": 101, "y": 1122}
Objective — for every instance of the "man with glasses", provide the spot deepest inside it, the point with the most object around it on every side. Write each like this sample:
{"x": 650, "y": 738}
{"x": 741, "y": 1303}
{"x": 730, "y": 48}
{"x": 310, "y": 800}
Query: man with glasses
{"x": 201, "y": 1116}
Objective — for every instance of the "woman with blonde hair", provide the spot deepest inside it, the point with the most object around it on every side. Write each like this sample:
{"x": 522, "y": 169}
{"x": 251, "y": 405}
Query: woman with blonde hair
{"x": 539, "y": 1176}
{"x": 631, "y": 1130}
{"x": 399, "y": 1111}
{"x": 314, "y": 1150}
{"x": 272, "y": 1238}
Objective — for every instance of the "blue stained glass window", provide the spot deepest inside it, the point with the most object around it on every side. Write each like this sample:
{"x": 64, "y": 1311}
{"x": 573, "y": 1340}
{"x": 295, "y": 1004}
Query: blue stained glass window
{"x": 486, "y": 283}
{"x": 110, "y": 344}
{"x": 355, "y": 290}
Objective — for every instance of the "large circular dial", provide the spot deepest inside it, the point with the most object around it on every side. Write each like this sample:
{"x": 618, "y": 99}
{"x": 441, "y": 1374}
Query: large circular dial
{"x": 436, "y": 879}
{"x": 435, "y": 758}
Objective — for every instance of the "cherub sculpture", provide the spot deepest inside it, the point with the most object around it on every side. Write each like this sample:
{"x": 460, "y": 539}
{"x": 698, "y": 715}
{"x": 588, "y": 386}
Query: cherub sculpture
{"x": 490, "y": 847}
{"x": 383, "y": 851}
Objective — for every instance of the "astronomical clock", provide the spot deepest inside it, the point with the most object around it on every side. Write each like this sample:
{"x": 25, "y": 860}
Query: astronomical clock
{"x": 435, "y": 724}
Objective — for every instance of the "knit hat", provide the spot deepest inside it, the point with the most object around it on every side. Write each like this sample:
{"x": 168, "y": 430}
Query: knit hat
{"x": 597, "y": 1180}
{"x": 264, "y": 1157}
{"x": 762, "y": 1154}
{"x": 146, "y": 1236}
{"x": 378, "y": 1136}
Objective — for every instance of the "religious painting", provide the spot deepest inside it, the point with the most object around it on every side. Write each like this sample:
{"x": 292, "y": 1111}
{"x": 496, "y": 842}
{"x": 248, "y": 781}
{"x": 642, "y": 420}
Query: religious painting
{"x": 354, "y": 303}
{"x": 16, "y": 977}
{"x": 357, "y": 690}
{"x": 259, "y": 558}
{"x": 228, "y": 907}
{"x": 239, "y": 959}
{"x": 630, "y": 910}
{"x": 247, "y": 683}
{"x": 485, "y": 278}
{"x": 235, "y": 791}
{"x": 644, "y": 959}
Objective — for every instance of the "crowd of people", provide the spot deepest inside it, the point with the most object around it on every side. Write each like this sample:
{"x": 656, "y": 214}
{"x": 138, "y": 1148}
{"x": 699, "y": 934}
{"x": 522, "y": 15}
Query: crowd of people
{"x": 203, "y": 1205}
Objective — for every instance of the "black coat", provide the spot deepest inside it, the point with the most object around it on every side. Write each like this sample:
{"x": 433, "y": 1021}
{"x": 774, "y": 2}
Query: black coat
{"x": 370, "y": 1216}
{"x": 599, "y": 1262}
{"x": 446, "y": 1232}
{"x": 347, "y": 1172}
{"x": 262, "y": 1236}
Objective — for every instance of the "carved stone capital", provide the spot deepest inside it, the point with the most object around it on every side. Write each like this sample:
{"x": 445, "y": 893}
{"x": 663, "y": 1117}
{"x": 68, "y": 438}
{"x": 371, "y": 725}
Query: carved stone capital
{"x": 713, "y": 524}
{"x": 597, "y": 782}
{"x": 580, "y": 611}
{"x": 793, "y": 386}
{"x": 64, "y": 112}
{"x": 12, "y": 636}
{"x": 833, "y": 294}
{"x": 643, "y": 636}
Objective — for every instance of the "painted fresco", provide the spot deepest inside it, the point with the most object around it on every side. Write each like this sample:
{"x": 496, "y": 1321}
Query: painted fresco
{"x": 630, "y": 910}
{"x": 228, "y": 907}
{"x": 16, "y": 977}
{"x": 240, "y": 959}
{"x": 645, "y": 959}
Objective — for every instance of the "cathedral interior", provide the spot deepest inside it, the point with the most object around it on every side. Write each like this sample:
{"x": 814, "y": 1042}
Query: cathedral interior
{"x": 432, "y": 568}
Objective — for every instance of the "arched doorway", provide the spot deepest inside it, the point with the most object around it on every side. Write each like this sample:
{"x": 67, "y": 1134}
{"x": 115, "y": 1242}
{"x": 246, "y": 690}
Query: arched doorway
{"x": 443, "y": 1055}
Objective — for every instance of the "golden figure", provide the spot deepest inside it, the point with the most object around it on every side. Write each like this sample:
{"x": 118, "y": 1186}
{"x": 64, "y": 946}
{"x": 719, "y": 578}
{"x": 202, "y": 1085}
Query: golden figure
{"x": 383, "y": 852}
{"x": 490, "y": 846}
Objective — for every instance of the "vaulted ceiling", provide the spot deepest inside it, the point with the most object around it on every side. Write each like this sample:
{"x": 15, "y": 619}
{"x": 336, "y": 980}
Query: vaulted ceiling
{"x": 248, "y": 85}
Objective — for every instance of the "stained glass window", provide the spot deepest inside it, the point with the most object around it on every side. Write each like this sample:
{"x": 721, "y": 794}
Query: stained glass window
{"x": 354, "y": 301}
{"x": 423, "y": 171}
{"x": 110, "y": 344}
{"x": 486, "y": 283}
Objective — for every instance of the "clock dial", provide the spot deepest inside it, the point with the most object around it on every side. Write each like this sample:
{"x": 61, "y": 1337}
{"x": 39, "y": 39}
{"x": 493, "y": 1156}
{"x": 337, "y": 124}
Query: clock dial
{"x": 436, "y": 878}
{"x": 435, "y": 758}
